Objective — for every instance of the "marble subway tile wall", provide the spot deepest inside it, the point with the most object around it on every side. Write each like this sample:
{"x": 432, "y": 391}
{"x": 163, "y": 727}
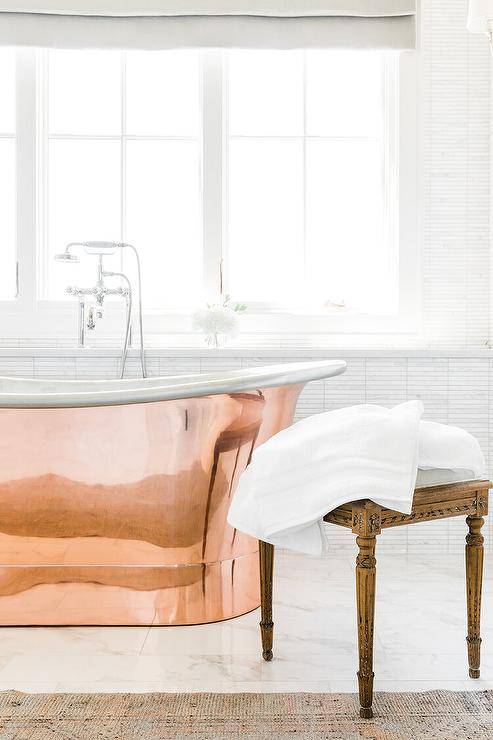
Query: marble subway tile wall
{"x": 454, "y": 390}
{"x": 455, "y": 149}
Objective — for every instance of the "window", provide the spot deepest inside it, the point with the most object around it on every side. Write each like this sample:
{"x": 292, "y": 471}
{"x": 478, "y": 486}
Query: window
{"x": 277, "y": 175}
{"x": 308, "y": 179}
{"x": 123, "y": 163}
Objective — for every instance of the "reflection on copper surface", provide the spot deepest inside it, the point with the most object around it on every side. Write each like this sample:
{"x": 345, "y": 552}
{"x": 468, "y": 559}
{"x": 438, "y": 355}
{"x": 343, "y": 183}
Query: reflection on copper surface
{"x": 117, "y": 515}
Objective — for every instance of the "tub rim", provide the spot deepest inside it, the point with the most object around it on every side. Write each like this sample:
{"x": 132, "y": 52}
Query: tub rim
{"x": 32, "y": 393}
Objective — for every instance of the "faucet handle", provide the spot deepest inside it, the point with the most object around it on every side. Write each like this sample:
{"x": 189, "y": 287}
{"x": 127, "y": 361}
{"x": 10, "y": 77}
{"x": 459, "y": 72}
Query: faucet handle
{"x": 91, "y": 324}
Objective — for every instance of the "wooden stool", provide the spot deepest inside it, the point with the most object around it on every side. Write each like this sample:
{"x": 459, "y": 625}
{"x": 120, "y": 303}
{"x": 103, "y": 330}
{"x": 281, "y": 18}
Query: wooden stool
{"x": 367, "y": 520}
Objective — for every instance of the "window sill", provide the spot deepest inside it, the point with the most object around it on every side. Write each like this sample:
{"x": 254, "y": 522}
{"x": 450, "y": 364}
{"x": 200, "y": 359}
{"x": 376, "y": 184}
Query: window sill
{"x": 36, "y": 348}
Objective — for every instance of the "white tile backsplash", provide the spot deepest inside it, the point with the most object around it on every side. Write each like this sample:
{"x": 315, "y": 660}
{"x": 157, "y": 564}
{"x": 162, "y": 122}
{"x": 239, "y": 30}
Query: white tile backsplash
{"x": 456, "y": 170}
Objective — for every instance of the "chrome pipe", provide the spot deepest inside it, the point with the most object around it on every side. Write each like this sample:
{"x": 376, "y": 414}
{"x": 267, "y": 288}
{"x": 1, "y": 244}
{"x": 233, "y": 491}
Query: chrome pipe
{"x": 143, "y": 364}
{"x": 82, "y": 323}
{"x": 129, "y": 317}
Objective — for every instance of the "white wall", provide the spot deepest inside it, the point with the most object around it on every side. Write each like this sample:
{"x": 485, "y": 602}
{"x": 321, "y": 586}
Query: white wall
{"x": 456, "y": 130}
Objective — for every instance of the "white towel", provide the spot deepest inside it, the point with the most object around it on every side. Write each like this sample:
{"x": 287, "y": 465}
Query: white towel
{"x": 329, "y": 459}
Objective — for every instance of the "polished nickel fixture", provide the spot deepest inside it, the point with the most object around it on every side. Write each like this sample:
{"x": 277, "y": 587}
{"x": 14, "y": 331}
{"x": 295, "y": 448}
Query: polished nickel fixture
{"x": 87, "y": 318}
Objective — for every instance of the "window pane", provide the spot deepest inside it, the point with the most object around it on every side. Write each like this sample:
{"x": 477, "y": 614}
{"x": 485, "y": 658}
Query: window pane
{"x": 265, "y": 93}
{"x": 163, "y": 220}
{"x": 7, "y": 91}
{"x": 347, "y": 255}
{"x": 84, "y": 204}
{"x": 7, "y": 218}
{"x": 85, "y": 92}
{"x": 162, "y": 93}
{"x": 307, "y": 222}
{"x": 265, "y": 219}
{"x": 344, "y": 93}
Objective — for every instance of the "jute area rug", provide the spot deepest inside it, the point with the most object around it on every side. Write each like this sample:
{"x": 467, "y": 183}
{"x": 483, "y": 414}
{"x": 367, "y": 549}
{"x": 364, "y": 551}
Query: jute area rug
{"x": 437, "y": 715}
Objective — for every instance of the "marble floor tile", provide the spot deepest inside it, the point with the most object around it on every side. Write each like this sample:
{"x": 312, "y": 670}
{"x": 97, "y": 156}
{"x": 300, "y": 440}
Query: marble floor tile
{"x": 234, "y": 637}
{"x": 28, "y": 687}
{"x": 430, "y": 667}
{"x": 419, "y": 639}
{"x": 345, "y": 686}
{"x": 71, "y": 640}
{"x": 131, "y": 668}
{"x": 220, "y": 687}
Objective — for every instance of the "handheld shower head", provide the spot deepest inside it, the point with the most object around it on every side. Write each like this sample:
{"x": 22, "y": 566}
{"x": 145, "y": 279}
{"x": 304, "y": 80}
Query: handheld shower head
{"x": 97, "y": 248}
{"x": 68, "y": 255}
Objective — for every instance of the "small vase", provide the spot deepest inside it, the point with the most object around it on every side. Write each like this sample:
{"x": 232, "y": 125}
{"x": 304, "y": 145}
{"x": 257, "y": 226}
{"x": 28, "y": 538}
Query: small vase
{"x": 216, "y": 340}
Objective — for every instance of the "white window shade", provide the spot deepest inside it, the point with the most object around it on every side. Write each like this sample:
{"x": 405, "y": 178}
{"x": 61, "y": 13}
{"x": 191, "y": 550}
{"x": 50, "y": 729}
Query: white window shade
{"x": 168, "y": 24}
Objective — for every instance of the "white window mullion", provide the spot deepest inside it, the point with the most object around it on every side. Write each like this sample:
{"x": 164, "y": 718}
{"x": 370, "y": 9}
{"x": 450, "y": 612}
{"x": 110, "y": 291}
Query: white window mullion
{"x": 407, "y": 205}
{"x": 212, "y": 171}
{"x": 123, "y": 154}
{"x": 26, "y": 114}
{"x": 42, "y": 175}
{"x": 390, "y": 163}
{"x": 305, "y": 134}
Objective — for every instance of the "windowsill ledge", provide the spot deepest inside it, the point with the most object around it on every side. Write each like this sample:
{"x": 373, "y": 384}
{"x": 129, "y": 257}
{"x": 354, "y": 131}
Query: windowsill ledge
{"x": 273, "y": 351}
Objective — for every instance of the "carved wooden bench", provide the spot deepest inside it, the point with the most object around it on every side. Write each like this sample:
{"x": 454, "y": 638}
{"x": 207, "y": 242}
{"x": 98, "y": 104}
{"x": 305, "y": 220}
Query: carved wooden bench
{"x": 367, "y": 520}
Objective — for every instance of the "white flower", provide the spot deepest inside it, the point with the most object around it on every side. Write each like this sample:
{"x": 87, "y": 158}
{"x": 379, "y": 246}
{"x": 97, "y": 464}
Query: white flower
{"x": 216, "y": 319}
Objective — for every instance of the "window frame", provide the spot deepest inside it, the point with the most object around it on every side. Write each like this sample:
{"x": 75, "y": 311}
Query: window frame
{"x": 29, "y": 314}
{"x": 401, "y": 138}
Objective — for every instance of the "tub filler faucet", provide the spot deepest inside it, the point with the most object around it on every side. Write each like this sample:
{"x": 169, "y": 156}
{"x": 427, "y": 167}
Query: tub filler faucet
{"x": 87, "y": 318}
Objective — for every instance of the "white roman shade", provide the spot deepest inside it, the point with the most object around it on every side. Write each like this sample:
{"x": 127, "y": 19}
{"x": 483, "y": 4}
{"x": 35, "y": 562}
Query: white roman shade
{"x": 167, "y": 24}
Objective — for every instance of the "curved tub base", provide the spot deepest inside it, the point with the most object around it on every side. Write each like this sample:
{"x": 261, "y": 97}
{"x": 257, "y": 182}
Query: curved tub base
{"x": 117, "y": 515}
{"x": 152, "y": 595}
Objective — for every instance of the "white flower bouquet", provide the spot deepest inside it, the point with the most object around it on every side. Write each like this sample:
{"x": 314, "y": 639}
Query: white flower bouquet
{"x": 218, "y": 321}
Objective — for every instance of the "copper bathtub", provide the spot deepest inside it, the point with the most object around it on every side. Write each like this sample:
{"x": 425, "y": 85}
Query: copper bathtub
{"x": 114, "y": 494}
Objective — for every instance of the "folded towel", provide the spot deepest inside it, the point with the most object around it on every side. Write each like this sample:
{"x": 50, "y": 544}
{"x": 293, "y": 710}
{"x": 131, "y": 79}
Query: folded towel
{"x": 329, "y": 459}
{"x": 445, "y": 446}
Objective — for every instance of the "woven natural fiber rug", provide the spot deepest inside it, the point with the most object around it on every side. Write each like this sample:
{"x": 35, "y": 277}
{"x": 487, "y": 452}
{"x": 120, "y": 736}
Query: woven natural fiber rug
{"x": 437, "y": 715}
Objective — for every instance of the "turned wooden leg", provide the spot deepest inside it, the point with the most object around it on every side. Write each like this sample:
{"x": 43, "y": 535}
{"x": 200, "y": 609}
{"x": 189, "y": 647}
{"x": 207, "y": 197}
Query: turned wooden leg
{"x": 266, "y": 556}
{"x": 365, "y": 599}
{"x": 366, "y": 525}
{"x": 474, "y": 582}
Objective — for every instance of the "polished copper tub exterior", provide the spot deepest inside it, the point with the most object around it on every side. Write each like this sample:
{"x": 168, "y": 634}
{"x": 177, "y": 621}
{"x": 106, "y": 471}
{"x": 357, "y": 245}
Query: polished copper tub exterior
{"x": 116, "y": 515}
